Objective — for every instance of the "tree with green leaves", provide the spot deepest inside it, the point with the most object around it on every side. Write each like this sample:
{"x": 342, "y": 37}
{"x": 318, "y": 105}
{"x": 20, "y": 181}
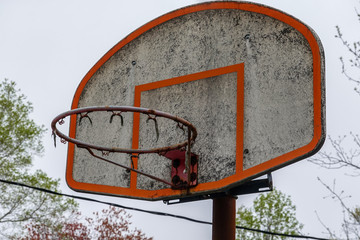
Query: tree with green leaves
{"x": 20, "y": 141}
{"x": 272, "y": 212}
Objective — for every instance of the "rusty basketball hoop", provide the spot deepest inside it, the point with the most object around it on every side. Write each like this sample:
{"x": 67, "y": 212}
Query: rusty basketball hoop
{"x": 116, "y": 111}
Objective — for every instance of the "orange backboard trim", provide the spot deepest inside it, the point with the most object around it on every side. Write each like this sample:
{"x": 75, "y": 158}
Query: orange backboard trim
{"x": 240, "y": 174}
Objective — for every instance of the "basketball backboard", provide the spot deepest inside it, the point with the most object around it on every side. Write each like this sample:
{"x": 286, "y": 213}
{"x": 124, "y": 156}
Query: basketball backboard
{"x": 249, "y": 78}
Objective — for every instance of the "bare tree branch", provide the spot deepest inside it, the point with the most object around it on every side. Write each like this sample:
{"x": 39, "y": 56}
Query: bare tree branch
{"x": 354, "y": 49}
{"x": 351, "y": 217}
{"x": 332, "y": 235}
{"x": 340, "y": 157}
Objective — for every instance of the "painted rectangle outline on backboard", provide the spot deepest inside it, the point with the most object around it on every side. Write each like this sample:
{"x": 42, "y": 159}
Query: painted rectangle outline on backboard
{"x": 237, "y": 68}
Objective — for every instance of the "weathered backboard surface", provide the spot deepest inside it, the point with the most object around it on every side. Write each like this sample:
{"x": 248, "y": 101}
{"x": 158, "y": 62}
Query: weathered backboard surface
{"x": 250, "y": 79}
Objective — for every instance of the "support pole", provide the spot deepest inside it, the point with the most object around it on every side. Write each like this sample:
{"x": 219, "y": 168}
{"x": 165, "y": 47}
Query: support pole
{"x": 224, "y": 209}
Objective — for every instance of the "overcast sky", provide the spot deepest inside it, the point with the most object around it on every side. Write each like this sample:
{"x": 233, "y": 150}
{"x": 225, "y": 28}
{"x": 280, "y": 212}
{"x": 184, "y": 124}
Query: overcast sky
{"x": 47, "y": 47}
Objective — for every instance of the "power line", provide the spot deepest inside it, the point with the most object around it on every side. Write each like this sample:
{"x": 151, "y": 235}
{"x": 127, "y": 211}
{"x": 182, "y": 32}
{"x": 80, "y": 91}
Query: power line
{"x": 154, "y": 212}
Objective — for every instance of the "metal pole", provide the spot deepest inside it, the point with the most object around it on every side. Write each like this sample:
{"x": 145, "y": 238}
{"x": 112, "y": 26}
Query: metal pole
{"x": 224, "y": 209}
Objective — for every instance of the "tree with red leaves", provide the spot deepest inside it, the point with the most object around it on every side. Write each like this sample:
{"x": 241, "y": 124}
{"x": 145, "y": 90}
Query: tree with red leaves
{"x": 111, "y": 223}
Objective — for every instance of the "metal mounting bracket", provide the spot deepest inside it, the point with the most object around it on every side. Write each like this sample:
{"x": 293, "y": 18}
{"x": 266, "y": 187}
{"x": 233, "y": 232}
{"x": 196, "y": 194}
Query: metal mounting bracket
{"x": 254, "y": 186}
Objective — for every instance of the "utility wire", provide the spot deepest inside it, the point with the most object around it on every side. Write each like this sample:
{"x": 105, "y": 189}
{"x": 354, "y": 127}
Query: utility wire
{"x": 153, "y": 212}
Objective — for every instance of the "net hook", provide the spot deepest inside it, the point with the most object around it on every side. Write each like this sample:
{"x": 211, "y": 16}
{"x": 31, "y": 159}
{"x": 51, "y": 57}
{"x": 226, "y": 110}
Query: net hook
{"x": 156, "y": 125}
{"x": 84, "y": 115}
{"x": 117, "y": 114}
